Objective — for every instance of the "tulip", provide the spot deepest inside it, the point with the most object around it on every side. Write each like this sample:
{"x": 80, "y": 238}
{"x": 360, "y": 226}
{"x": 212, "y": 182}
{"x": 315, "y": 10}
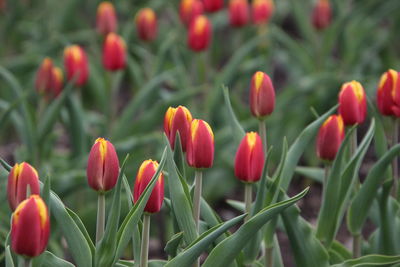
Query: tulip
{"x": 330, "y": 137}
{"x": 49, "y": 79}
{"x": 76, "y": 64}
{"x": 200, "y": 145}
{"x": 103, "y": 166}
{"x": 20, "y": 178}
{"x": 114, "y": 52}
{"x": 30, "y": 227}
{"x": 388, "y": 94}
{"x": 199, "y": 34}
{"x": 58, "y": 80}
{"x": 321, "y": 14}
{"x": 352, "y": 103}
{"x": 213, "y": 5}
{"x": 146, "y": 24}
{"x": 262, "y": 11}
{"x": 177, "y": 120}
{"x": 106, "y": 18}
{"x": 238, "y": 12}
{"x": 190, "y": 9}
{"x": 262, "y": 95}
{"x": 249, "y": 159}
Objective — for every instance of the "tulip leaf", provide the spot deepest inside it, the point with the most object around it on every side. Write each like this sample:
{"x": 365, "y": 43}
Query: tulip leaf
{"x": 237, "y": 129}
{"x": 5, "y": 165}
{"x": 76, "y": 126}
{"x": 370, "y": 260}
{"x": 179, "y": 157}
{"x": 82, "y": 228}
{"x": 9, "y": 258}
{"x": 48, "y": 259}
{"x": 173, "y": 244}
{"x": 46, "y": 191}
{"x": 315, "y": 174}
{"x": 226, "y": 251}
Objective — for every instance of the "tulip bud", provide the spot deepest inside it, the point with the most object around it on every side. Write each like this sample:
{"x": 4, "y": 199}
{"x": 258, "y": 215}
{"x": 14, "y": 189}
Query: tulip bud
{"x": 262, "y": 11}
{"x": 76, "y": 64}
{"x": 114, "y": 52}
{"x": 106, "y": 18}
{"x": 321, "y": 15}
{"x": 249, "y": 159}
{"x": 49, "y": 79}
{"x": 190, "y": 9}
{"x": 30, "y": 227}
{"x": 388, "y": 94}
{"x": 199, "y": 34}
{"x": 103, "y": 166}
{"x": 20, "y": 177}
{"x": 213, "y": 5}
{"x": 3, "y": 5}
{"x": 143, "y": 177}
{"x": 262, "y": 95}
{"x": 177, "y": 120}
{"x": 238, "y": 12}
{"x": 146, "y": 24}
{"x": 57, "y": 82}
{"x": 352, "y": 103}
{"x": 330, "y": 137}
{"x": 200, "y": 145}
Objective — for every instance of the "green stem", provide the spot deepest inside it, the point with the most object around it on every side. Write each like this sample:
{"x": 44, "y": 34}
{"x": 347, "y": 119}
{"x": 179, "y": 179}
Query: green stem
{"x": 24, "y": 262}
{"x": 327, "y": 169}
{"x": 357, "y": 246}
{"x": 263, "y": 134}
{"x": 395, "y": 140}
{"x": 101, "y": 216}
{"x": 353, "y": 149}
{"x": 269, "y": 256}
{"x": 144, "y": 252}
{"x": 248, "y": 200}
{"x": 196, "y": 198}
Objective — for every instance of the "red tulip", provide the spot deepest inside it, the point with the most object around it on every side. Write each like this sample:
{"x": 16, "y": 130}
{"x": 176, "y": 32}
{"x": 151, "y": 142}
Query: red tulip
{"x": 103, "y": 166}
{"x": 44, "y": 76}
{"x": 114, "y": 52}
{"x": 388, "y": 94}
{"x": 262, "y": 95}
{"x": 330, "y": 137}
{"x": 238, "y": 12}
{"x": 30, "y": 227}
{"x": 58, "y": 80}
{"x": 143, "y": 177}
{"x": 199, "y": 34}
{"x": 190, "y": 9}
{"x": 321, "y": 15}
{"x": 106, "y": 19}
{"x": 200, "y": 145}
{"x": 213, "y": 5}
{"x": 249, "y": 159}
{"x": 352, "y": 103}
{"x": 20, "y": 177}
{"x": 262, "y": 11}
{"x": 146, "y": 24}
{"x": 76, "y": 64}
{"x": 177, "y": 120}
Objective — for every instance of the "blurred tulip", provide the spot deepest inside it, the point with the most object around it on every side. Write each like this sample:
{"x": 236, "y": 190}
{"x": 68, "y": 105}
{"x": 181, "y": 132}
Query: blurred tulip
{"x": 20, "y": 178}
{"x": 58, "y": 81}
{"x": 177, "y": 120}
{"x": 200, "y": 145}
{"x": 213, "y": 5}
{"x": 76, "y": 64}
{"x": 30, "y": 227}
{"x": 190, "y": 9}
{"x": 321, "y": 14}
{"x": 238, "y": 12}
{"x": 143, "y": 177}
{"x": 388, "y": 94}
{"x": 199, "y": 34}
{"x": 114, "y": 52}
{"x": 103, "y": 166}
{"x": 262, "y": 95}
{"x": 352, "y": 103}
{"x": 330, "y": 137}
{"x": 249, "y": 159}
{"x": 106, "y": 19}
{"x": 262, "y": 11}
{"x": 49, "y": 79}
{"x": 3, "y": 5}
{"x": 146, "y": 24}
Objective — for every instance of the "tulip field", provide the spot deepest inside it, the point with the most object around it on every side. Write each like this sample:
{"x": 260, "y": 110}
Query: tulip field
{"x": 213, "y": 133}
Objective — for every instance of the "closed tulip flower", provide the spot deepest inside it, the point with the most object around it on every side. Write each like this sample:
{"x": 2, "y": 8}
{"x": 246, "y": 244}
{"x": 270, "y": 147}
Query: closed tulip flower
{"x": 146, "y": 24}
{"x": 388, "y": 94}
{"x": 262, "y": 95}
{"x": 352, "y": 103}
{"x": 190, "y": 9}
{"x": 262, "y": 11}
{"x": 200, "y": 145}
{"x": 76, "y": 64}
{"x": 58, "y": 81}
{"x": 213, "y": 5}
{"x": 103, "y": 166}
{"x": 114, "y": 52}
{"x": 20, "y": 178}
{"x": 143, "y": 177}
{"x": 177, "y": 120}
{"x": 106, "y": 18}
{"x": 44, "y": 76}
{"x": 199, "y": 35}
{"x": 321, "y": 14}
{"x": 238, "y": 12}
{"x": 330, "y": 137}
{"x": 249, "y": 159}
{"x": 30, "y": 227}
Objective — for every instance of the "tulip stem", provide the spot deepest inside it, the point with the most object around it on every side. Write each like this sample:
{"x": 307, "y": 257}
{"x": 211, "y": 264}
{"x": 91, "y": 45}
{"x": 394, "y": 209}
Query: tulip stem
{"x": 101, "y": 216}
{"x": 24, "y": 262}
{"x": 144, "y": 252}
{"x": 263, "y": 133}
{"x": 395, "y": 140}
{"x": 357, "y": 246}
{"x": 353, "y": 149}
{"x": 196, "y": 198}
{"x": 269, "y": 260}
{"x": 247, "y": 200}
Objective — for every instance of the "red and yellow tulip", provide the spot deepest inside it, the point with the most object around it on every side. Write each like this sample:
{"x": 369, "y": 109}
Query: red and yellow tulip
{"x": 76, "y": 64}
{"x": 146, "y": 24}
{"x": 200, "y": 145}
{"x": 238, "y": 12}
{"x": 114, "y": 52}
{"x": 262, "y": 11}
{"x": 321, "y": 14}
{"x": 262, "y": 95}
{"x": 177, "y": 120}
{"x": 330, "y": 137}
{"x": 352, "y": 103}
{"x": 388, "y": 94}
{"x": 189, "y": 10}
{"x": 199, "y": 35}
{"x": 106, "y": 18}
{"x": 213, "y": 5}
{"x": 49, "y": 79}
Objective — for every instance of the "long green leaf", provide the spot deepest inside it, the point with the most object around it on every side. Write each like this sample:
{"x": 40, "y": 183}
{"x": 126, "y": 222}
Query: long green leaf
{"x": 9, "y": 258}
{"x": 237, "y": 129}
{"x": 48, "y": 259}
{"x": 370, "y": 260}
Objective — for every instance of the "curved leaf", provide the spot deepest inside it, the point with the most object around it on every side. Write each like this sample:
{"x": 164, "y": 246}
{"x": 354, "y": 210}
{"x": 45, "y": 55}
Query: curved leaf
{"x": 370, "y": 260}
